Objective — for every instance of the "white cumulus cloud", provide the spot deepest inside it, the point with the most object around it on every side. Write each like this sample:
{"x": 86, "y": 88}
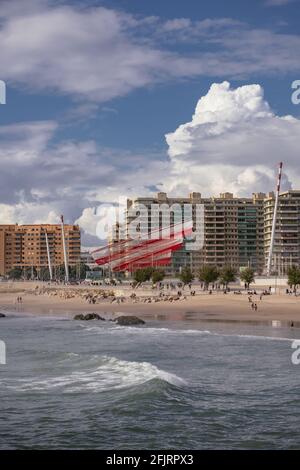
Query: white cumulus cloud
{"x": 233, "y": 142}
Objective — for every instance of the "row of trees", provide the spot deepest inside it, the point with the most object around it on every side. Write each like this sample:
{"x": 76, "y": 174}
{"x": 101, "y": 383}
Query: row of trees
{"x": 210, "y": 274}
{"x": 147, "y": 274}
{"x": 75, "y": 272}
{"x": 207, "y": 274}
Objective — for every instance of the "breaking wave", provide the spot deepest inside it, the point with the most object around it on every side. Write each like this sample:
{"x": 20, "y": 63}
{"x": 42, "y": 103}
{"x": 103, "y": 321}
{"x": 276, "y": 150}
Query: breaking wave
{"x": 103, "y": 373}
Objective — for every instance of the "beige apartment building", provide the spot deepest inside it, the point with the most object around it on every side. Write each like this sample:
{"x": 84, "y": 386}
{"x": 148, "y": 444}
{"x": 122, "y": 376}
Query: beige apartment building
{"x": 24, "y": 246}
{"x": 233, "y": 229}
{"x": 237, "y": 231}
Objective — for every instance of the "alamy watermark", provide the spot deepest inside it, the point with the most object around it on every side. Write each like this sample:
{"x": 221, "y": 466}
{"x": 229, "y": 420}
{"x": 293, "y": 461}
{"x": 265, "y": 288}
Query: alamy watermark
{"x": 2, "y": 92}
{"x": 295, "y": 98}
{"x": 2, "y": 352}
{"x": 295, "y": 358}
{"x": 152, "y": 222}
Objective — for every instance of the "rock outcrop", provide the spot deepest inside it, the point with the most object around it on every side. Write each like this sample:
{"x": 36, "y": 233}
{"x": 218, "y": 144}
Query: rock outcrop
{"x": 2, "y": 315}
{"x": 128, "y": 320}
{"x": 88, "y": 316}
{"x": 96, "y": 296}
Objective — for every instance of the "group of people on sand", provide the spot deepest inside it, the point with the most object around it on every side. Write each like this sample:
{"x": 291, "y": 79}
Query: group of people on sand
{"x": 261, "y": 295}
{"x": 19, "y": 300}
{"x": 253, "y": 304}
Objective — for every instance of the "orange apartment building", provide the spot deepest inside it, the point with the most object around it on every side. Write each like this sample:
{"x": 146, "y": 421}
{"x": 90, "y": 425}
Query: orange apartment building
{"x": 24, "y": 246}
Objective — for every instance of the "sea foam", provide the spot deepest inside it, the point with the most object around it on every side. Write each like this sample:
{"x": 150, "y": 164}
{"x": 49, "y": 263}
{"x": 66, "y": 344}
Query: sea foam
{"x": 104, "y": 373}
{"x": 131, "y": 330}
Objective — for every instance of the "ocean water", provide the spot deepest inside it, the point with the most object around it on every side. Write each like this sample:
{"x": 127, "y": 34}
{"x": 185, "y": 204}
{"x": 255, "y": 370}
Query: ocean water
{"x": 167, "y": 385}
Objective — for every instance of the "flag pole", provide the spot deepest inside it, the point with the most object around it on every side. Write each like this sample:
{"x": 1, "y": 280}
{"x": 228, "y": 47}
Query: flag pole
{"x": 64, "y": 248}
{"x": 48, "y": 255}
{"x": 269, "y": 265}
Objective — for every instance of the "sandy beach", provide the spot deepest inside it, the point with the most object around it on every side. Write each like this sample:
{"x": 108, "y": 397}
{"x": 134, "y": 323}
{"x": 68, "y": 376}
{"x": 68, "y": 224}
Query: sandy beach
{"x": 214, "y": 307}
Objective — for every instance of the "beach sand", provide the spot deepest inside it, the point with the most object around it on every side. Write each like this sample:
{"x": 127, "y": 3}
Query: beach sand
{"x": 215, "y": 307}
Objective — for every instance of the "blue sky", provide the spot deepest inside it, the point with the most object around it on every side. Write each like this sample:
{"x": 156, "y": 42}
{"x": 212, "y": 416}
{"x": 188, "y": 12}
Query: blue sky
{"x": 93, "y": 87}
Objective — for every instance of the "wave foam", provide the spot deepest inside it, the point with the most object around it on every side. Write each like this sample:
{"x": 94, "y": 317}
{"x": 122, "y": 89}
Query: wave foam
{"x": 114, "y": 329}
{"x": 141, "y": 330}
{"x": 109, "y": 373}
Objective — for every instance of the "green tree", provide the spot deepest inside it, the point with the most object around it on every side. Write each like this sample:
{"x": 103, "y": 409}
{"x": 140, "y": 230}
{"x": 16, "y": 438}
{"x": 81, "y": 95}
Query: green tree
{"x": 78, "y": 271}
{"x": 227, "y": 274}
{"x": 186, "y": 276}
{"x": 157, "y": 276}
{"x": 15, "y": 273}
{"x": 143, "y": 275}
{"x": 294, "y": 277}
{"x": 44, "y": 274}
{"x": 247, "y": 275}
{"x": 29, "y": 273}
{"x": 59, "y": 272}
{"x": 208, "y": 274}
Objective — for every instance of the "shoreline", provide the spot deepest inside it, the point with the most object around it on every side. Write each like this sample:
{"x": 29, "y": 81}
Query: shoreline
{"x": 229, "y": 308}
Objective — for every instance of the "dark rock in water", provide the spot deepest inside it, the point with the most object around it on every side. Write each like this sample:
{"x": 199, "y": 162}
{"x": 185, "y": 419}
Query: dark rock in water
{"x": 88, "y": 316}
{"x": 91, "y": 316}
{"x": 2, "y": 315}
{"x": 79, "y": 316}
{"x": 129, "y": 320}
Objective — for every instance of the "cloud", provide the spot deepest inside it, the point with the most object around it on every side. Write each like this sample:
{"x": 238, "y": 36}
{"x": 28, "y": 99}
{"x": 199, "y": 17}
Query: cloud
{"x": 83, "y": 52}
{"x": 233, "y": 143}
{"x": 35, "y": 134}
{"x": 41, "y": 178}
{"x": 96, "y": 53}
{"x": 25, "y": 212}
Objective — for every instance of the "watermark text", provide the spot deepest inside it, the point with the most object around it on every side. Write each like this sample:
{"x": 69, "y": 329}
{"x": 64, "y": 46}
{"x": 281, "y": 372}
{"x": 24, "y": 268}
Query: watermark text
{"x": 2, "y": 92}
{"x": 296, "y": 94}
{"x": 296, "y": 354}
{"x": 2, "y": 353}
